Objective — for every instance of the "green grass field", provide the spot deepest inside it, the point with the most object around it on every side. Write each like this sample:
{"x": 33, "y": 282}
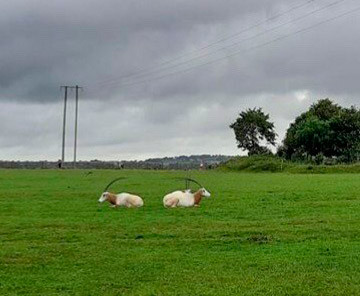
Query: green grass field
{"x": 259, "y": 234}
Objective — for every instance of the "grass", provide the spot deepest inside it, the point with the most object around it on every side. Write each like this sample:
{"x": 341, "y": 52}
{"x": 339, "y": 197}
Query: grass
{"x": 260, "y": 234}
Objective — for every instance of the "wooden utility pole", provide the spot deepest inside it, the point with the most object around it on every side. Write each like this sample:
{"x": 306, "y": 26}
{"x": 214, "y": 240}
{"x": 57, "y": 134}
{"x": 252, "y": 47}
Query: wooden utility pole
{"x": 66, "y": 87}
{"x": 76, "y": 120}
{"x": 64, "y": 124}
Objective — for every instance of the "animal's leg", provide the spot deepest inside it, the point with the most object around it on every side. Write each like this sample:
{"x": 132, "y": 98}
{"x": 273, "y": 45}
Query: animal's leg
{"x": 174, "y": 202}
{"x": 169, "y": 203}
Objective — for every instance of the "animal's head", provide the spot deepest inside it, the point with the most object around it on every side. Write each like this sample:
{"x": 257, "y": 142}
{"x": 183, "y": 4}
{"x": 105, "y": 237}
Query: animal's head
{"x": 204, "y": 192}
{"x": 104, "y": 197}
{"x": 107, "y": 195}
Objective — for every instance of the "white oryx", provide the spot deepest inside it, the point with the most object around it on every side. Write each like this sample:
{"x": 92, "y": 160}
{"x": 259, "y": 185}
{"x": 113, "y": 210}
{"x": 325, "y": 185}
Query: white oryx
{"x": 121, "y": 199}
{"x": 185, "y": 198}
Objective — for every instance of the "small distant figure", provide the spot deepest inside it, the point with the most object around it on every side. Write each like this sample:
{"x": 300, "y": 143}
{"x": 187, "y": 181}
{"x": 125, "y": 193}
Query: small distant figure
{"x": 59, "y": 163}
{"x": 202, "y": 166}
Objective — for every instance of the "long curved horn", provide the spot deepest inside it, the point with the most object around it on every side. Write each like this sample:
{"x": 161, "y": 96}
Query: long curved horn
{"x": 112, "y": 182}
{"x": 194, "y": 181}
{"x": 188, "y": 180}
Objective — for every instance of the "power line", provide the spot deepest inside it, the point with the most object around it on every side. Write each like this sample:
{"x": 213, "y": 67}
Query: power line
{"x": 249, "y": 49}
{"x": 234, "y": 44}
{"x": 222, "y": 39}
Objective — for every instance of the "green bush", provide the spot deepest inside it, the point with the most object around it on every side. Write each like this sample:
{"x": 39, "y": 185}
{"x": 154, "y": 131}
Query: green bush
{"x": 270, "y": 163}
{"x": 256, "y": 163}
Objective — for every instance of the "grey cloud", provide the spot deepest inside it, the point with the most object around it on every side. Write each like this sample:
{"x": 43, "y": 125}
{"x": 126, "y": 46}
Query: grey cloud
{"x": 45, "y": 44}
{"x": 48, "y": 43}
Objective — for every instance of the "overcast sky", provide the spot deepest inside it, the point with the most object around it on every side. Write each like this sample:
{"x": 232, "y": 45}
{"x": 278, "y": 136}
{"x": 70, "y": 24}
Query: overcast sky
{"x": 166, "y": 78}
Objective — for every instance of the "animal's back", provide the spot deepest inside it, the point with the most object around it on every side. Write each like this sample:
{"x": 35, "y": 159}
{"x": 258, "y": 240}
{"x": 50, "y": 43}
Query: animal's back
{"x": 178, "y": 198}
{"x": 187, "y": 199}
{"x": 130, "y": 200}
{"x": 171, "y": 198}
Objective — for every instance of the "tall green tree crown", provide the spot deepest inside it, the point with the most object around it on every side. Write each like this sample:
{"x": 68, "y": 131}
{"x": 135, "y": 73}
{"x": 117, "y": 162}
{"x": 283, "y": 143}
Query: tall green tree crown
{"x": 253, "y": 129}
{"x": 327, "y": 129}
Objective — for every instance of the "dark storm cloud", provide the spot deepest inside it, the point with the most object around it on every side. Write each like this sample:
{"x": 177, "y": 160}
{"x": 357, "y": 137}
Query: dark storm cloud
{"x": 48, "y": 43}
{"x": 45, "y": 44}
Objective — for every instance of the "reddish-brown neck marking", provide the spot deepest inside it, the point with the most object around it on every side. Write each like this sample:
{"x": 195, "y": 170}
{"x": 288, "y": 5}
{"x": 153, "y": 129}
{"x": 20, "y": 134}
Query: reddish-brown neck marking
{"x": 112, "y": 198}
{"x": 198, "y": 197}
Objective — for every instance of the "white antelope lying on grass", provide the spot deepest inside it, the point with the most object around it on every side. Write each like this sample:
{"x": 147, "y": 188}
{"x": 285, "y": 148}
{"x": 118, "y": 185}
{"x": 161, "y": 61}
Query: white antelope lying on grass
{"x": 185, "y": 198}
{"x": 121, "y": 199}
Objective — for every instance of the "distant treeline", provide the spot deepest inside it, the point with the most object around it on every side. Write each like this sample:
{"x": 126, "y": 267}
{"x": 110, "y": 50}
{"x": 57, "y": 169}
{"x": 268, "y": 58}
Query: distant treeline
{"x": 173, "y": 163}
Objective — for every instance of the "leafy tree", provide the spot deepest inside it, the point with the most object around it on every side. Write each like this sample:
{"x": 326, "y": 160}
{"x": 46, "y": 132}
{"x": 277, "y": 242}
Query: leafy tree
{"x": 346, "y": 134}
{"x": 324, "y": 109}
{"x": 251, "y": 128}
{"x": 314, "y": 136}
{"x": 326, "y": 129}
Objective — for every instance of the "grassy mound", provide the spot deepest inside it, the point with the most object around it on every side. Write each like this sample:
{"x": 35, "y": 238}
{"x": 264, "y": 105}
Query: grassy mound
{"x": 268, "y": 163}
